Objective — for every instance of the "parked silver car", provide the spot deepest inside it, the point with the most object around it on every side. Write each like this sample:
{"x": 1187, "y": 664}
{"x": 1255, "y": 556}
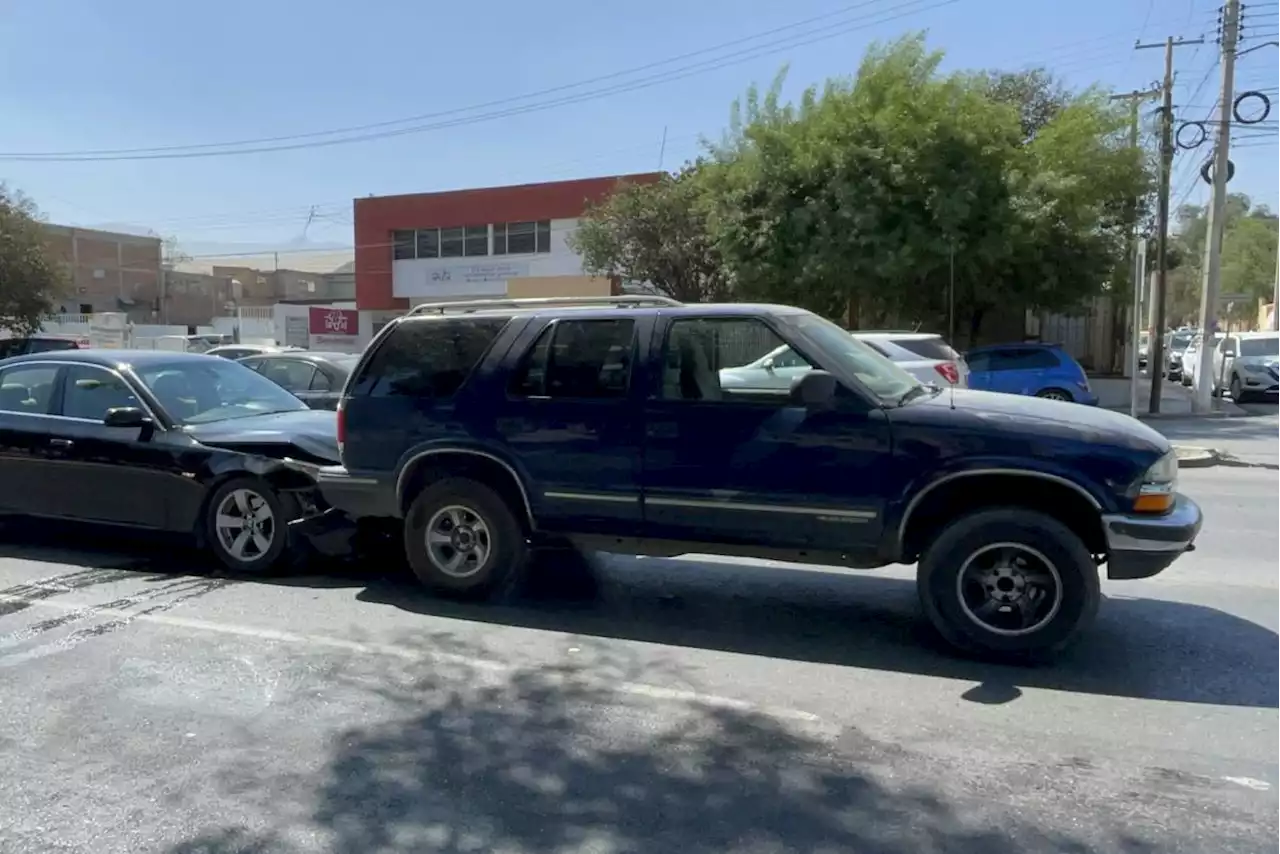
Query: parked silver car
{"x": 926, "y": 356}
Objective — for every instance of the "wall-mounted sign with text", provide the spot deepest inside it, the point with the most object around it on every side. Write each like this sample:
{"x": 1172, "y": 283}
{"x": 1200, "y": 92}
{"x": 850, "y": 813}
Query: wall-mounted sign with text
{"x": 430, "y": 278}
{"x": 334, "y": 321}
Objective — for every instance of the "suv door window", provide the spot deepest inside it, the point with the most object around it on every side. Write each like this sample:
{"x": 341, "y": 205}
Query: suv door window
{"x": 580, "y": 359}
{"x": 1021, "y": 359}
{"x": 27, "y": 388}
{"x": 428, "y": 357}
{"x": 727, "y": 358}
{"x": 89, "y": 391}
{"x": 290, "y": 374}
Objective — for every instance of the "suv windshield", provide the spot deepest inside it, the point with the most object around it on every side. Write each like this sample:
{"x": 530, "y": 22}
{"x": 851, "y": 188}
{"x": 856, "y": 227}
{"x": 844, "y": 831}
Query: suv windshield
{"x": 198, "y": 392}
{"x": 879, "y": 374}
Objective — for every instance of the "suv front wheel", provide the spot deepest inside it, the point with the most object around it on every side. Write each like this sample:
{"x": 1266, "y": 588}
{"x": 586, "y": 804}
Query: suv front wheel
{"x": 461, "y": 539}
{"x": 1008, "y": 583}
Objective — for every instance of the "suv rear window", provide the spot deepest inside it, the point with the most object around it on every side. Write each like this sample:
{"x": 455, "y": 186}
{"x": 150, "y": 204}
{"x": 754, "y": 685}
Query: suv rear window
{"x": 581, "y": 359}
{"x": 928, "y": 348}
{"x": 428, "y": 358}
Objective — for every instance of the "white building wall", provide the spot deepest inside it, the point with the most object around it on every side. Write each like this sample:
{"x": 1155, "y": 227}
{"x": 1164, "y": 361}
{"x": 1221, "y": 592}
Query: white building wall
{"x": 424, "y": 279}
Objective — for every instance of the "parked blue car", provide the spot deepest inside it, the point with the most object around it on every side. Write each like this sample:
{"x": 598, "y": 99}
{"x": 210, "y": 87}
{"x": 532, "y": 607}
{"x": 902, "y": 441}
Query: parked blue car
{"x": 1037, "y": 370}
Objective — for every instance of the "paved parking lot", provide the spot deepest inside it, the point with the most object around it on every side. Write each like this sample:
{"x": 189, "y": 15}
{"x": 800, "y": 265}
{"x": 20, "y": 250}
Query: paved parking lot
{"x": 693, "y": 705}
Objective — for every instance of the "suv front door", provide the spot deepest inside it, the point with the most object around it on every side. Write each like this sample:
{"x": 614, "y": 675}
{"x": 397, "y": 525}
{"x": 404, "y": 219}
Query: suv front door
{"x": 570, "y": 417}
{"x": 729, "y": 463}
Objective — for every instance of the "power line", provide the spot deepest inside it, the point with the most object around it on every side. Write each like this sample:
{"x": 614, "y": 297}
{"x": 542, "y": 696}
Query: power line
{"x": 439, "y": 120}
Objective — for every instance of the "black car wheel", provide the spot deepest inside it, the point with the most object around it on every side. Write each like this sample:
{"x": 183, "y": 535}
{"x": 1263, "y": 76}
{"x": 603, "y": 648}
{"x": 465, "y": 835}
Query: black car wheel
{"x": 1237, "y": 390}
{"x": 461, "y": 539}
{"x": 1008, "y": 584}
{"x": 1055, "y": 394}
{"x": 246, "y": 525}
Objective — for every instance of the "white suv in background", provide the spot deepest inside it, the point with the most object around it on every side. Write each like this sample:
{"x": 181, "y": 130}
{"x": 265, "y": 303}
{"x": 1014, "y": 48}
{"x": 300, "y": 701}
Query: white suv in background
{"x": 927, "y": 357}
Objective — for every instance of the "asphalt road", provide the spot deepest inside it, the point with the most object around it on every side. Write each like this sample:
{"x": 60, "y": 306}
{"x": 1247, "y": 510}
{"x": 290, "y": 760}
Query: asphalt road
{"x": 687, "y": 706}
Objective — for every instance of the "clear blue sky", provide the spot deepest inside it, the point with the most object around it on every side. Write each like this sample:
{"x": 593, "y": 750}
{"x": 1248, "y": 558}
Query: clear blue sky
{"x": 88, "y": 74}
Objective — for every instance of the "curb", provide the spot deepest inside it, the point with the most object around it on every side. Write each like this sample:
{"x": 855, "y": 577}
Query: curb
{"x": 1195, "y": 457}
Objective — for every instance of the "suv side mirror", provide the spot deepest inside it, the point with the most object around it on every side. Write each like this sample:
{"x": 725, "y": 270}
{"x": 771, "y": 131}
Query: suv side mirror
{"x": 814, "y": 390}
{"x": 126, "y": 416}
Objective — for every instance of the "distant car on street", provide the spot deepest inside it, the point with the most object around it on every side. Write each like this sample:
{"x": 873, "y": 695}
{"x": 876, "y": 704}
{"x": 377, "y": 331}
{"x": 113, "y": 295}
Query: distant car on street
{"x": 1037, "y": 370}
{"x": 165, "y": 441}
{"x": 10, "y": 347}
{"x": 314, "y": 377}
{"x": 240, "y": 351}
{"x": 1175, "y": 348}
{"x": 1245, "y": 364}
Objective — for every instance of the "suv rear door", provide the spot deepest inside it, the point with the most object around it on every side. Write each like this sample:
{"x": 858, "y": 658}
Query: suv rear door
{"x": 570, "y": 416}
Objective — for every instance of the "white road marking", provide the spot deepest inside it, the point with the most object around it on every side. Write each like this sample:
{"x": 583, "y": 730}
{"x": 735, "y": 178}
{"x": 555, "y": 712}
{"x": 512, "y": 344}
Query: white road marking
{"x": 1250, "y": 783}
{"x": 638, "y": 689}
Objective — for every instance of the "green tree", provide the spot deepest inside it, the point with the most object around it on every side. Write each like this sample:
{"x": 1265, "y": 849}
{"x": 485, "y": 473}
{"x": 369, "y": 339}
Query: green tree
{"x": 1248, "y": 259}
{"x": 1036, "y": 94}
{"x": 656, "y": 234}
{"x": 30, "y": 280}
{"x": 861, "y": 197}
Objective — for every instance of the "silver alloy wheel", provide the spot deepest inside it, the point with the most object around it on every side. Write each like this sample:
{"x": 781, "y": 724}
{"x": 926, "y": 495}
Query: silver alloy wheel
{"x": 1054, "y": 394}
{"x": 1009, "y": 589}
{"x": 245, "y": 525}
{"x": 458, "y": 541}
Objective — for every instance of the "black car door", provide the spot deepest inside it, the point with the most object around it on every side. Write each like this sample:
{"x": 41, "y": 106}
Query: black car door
{"x": 26, "y": 393}
{"x": 116, "y": 475}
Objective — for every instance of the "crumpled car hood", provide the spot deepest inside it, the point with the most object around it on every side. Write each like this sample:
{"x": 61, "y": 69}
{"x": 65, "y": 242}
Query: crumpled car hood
{"x": 310, "y": 435}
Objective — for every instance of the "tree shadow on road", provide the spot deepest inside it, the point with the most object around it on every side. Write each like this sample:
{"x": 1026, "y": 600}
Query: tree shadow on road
{"x": 1142, "y": 648}
{"x": 535, "y": 760}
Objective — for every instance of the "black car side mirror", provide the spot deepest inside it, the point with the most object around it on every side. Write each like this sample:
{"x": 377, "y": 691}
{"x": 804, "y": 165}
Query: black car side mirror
{"x": 126, "y": 416}
{"x": 814, "y": 390}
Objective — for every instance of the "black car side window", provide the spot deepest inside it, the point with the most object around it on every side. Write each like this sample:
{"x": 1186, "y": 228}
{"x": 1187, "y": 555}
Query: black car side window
{"x": 290, "y": 374}
{"x": 580, "y": 359}
{"x": 428, "y": 357}
{"x": 27, "y": 389}
{"x": 89, "y": 391}
{"x": 321, "y": 381}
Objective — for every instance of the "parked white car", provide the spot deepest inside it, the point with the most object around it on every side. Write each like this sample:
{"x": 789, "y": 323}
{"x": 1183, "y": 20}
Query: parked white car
{"x": 1191, "y": 358}
{"x": 1245, "y": 364}
{"x": 925, "y": 356}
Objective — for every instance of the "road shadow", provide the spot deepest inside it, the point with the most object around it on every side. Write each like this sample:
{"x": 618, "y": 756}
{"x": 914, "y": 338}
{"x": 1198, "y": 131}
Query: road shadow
{"x": 549, "y": 759}
{"x": 1141, "y": 648}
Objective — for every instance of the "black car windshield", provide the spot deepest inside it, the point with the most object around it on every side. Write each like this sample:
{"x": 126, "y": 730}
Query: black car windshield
{"x": 1269, "y": 346}
{"x": 878, "y": 373}
{"x": 198, "y": 391}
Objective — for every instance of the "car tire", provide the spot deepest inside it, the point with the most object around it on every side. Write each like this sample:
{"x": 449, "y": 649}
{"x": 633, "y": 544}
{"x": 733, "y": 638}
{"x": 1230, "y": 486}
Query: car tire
{"x": 1055, "y": 394}
{"x": 462, "y": 540}
{"x": 1237, "y": 389}
{"x": 959, "y": 579}
{"x": 257, "y": 541}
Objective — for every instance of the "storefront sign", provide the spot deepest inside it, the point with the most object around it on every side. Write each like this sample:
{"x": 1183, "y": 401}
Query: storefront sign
{"x": 334, "y": 321}
{"x": 432, "y": 278}
{"x": 297, "y": 331}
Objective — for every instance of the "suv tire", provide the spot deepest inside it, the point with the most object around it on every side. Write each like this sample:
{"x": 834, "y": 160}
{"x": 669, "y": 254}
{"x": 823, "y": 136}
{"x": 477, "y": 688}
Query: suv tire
{"x": 986, "y": 570}
{"x": 462, "y": 540}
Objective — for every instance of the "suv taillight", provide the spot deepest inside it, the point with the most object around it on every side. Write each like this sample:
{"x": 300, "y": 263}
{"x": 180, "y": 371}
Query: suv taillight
{"x": 342, "y": 424}
{"x": 949, "y": 372}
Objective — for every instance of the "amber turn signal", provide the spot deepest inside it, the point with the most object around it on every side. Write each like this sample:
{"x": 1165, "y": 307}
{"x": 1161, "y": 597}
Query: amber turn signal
{"x": 1153, "y": 503}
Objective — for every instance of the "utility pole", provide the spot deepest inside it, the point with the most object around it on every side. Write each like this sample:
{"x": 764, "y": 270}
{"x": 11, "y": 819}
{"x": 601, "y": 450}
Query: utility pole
{"x": 1202, "y": 402}
{"x": 1134, "y": 98}
{"x": 1275, "y": 296}
{"x": 1156, "y": 357}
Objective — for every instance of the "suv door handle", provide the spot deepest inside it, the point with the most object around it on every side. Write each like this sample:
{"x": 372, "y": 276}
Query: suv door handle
{"x": 61, "y": 443}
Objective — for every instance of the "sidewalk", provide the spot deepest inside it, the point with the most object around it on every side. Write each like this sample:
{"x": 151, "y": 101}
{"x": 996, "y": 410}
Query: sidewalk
{"x": 1175, "y": 401}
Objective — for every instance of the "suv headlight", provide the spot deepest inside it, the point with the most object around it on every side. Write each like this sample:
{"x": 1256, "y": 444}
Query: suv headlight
{"x": 1158, "y": 486}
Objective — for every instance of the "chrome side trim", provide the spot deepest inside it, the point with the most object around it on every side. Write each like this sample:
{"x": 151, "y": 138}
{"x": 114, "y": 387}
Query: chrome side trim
{"x": 795, "y": 510}
{"x": 922, "y": 494}
{"x": 524, "y": 493}
{"x": 592, "y": 496}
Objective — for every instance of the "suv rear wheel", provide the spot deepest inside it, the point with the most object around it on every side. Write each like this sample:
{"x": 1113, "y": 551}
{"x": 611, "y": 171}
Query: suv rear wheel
{"x": 1007, "y": 583}
{"x": 461, "y": 538}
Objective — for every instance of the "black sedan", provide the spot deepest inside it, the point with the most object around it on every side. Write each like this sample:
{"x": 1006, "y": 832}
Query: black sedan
{"x": 314, "y": 377}
{"x": 165, "y": 441}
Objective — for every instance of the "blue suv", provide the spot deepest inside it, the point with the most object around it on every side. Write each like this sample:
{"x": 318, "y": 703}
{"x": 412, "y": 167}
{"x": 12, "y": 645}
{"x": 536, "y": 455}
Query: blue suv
{"x": 482, "y": 433}
{"x": 1037, "y": 370}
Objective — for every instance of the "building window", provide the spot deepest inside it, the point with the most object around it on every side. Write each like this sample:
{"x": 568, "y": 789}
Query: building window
{"x": 451, "y": 242}
{"x": 428, "y": 243}
{"x": 522, "y": 238}
{"x": 476, "y": 241}
{"x": 402, "y": 245}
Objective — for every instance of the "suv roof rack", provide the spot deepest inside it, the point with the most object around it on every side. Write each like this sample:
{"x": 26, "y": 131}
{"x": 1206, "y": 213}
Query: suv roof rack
{"x": 474, "y": 305}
